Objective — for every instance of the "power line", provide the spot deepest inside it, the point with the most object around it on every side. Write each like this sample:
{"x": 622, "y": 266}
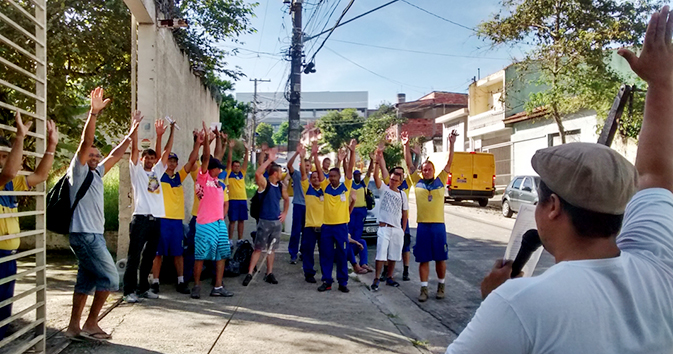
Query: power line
{"x": 348, "y": 7}
{"x": 418, "y": 51}
{"x": 352, "y": 19}
{"x": 439, "y": 17}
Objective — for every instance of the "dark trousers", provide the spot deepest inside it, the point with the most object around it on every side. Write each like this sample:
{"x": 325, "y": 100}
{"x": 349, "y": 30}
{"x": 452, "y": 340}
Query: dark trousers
{"x": 143, "y": 240}
{"x": 309, "y": 238}
{"x": 298, "y": 220}
{"x": 7, "y": 269}
{"x": 333, "y": 246}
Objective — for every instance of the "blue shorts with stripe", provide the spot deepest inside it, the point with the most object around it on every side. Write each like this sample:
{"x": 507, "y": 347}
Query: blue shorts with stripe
{"x": 431, "y": 243}
{"x": 238, "y": 210}
{"x": 211, "y": 241}
{"x": 170, "y": 241}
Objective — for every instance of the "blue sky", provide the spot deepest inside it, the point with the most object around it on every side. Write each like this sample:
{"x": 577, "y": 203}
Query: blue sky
{"x": 381, "y": 72}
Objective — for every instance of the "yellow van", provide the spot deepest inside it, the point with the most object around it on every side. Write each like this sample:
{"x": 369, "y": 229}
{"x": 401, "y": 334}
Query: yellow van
{"x": 472, "y": 176}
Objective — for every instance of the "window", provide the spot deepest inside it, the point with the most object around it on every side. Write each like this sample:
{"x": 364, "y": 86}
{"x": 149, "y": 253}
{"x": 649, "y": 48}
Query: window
{"x": 528, "y": 183}
{"x": 517, "y": 183}
{"x": 572, "y": 136}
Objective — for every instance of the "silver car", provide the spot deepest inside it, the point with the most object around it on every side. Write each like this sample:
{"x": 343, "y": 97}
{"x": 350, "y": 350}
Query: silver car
{"x": 521, "y": 190}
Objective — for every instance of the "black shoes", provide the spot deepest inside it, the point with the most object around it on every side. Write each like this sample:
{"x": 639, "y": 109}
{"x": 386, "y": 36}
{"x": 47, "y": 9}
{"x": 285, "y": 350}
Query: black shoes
{"x": 247, "y": 279}
{"x": 343, "y": 289}
{"x": 310, "y": 279}
{"x": 182, "y": 288}
{"x": 325, "y": 287}
{"x": 270, "y": 278}
{"x": 155, "y": 288}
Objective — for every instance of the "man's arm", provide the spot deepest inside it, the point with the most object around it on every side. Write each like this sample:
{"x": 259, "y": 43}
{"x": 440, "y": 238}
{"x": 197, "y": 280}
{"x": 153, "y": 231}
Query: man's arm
{"x": 452, "y": 143}
{"x": 160, "y": 135}
{"x": 259, "y": 174}
{"x": 302, "y": 165}
{"x": 169, "y": 145}
{"x": 351, "y": 162}
{"x": 89, "y": 132}
{"x": 232, "y": 145}
{"x": 118, "y": 152}
{"x": 384, "y": 168}
{"x": 15, "y": 156}
{"x": 194, "y": 155}
{"x": 42, "y": 171}
{"x": 655, "y": 66}
{"x": 286, "y": 203}
{"x": 290, "y": 163}
{"x": 206, "y": 148}
{"x": 407, "y": 153}
{"x": 316, "y": 161}
{"x": 351, "y": 204}
{"x": 137, "y": 117}
{"x": 341, "y": 156}
{"x": 405, "y": 217}
{"x": 220, "y": 144}
{"x": 244, "y": 167}
{"x": 377, "y": 175}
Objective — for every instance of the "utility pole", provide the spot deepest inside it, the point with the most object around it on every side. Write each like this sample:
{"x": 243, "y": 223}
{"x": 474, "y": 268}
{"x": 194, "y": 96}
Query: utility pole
{"x": 296, "y": 52}
{"x": 253, "y": 126}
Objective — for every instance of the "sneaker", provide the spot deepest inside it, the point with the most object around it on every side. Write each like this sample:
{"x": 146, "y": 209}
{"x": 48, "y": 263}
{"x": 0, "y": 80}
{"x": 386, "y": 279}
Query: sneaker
{"x": 247, "y": 279}
{"x": 383, "y": 274}
{"x": 440, "y": 291}
{"x": 131, "y": 298}
{"x": 293, "y": 260}
{"x": 154, "y": 288}
{"x": 310, "y": 279}
{"x": 424, "y": 294}
{"x": 375, "y": 285}
{"x": 392, "y": 282}
{"x": 221, "y": 292}
{"x": 196, "y": 292}
{"x": 325, "y": 287}
{"x": 405, "y": 275}
{"x": 149, "y": 295}
{"x": 182, "y": 288}
{"x": 343, "y": 289}
{"x": 270, "y": 278}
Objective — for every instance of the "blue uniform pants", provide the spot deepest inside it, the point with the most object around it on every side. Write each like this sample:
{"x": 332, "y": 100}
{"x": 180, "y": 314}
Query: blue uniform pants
{"x": 355, "y": 228}
{"x": 309, "y": 238}
{"x": 298, "y": 221}
{"x": 333, "y": 245}
{"x": 7, "y": 269}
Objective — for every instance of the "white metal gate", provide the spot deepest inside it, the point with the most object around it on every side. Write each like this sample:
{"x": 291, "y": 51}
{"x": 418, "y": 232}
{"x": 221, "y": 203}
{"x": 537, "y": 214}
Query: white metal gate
{"x": 23, "y": 78}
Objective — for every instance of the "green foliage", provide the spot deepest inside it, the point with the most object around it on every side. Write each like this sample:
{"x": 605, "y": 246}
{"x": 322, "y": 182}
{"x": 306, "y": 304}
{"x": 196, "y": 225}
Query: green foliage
{"x": 569, "y": 43}
{"x": 111, "y": 199}
{"x": 280, "y": 137}
{"x": 264, "y": 135}
{"x": 338, "y": 128}
{"x": 233, "y": 114}
{"x": 393, "y": 153}
{"x": 374, "y": 130}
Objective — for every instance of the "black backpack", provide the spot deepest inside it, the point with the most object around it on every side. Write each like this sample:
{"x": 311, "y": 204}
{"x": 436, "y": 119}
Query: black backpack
{"x": 256, "y": 202}
{"x": 369, "y": 197}
{"x": 240, "y": 261}
{"x": 59, "y": 211}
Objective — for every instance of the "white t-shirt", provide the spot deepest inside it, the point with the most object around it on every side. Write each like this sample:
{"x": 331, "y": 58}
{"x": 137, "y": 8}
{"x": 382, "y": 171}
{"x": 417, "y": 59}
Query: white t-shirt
{"x": 390, "y": 206}
{"x": 147, "y": 193}
{"x": 616, "y": 305}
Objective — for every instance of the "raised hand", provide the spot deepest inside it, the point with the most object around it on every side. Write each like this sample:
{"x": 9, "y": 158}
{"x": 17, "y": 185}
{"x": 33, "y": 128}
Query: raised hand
{"x": 341, "y": 154}
{"x": 97, "y": 102}
{"x": 273, "y": 154}
{"x": 404, "y": 137}
{"x": 314, "y": 147}
{"x": 224, "y": 137}
{"x": 159, "y": 126}
{"x": 655, "y": 63}
{"x": 137, "y": 116}
{"x": 352, "y": 145}
{"x": 301, "y": 150}
{"x": 21, "y": 128}
{"x": 200, "y": 137}
{"x": 205, "y": 133}
{"x": 134, "y": 127}
{"x": 265, "y": 147}
{"x": 232, "y": 143}
{"x": 452, "y": 137}
{"x": 52, "y": 133}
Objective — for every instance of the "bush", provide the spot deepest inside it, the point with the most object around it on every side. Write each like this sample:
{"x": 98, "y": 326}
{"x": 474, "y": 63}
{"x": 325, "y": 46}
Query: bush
{"x": 111, "y": 199}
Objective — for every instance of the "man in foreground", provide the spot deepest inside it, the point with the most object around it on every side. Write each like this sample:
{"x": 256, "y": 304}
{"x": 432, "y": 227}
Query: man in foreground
{"x": 609, "y": 292}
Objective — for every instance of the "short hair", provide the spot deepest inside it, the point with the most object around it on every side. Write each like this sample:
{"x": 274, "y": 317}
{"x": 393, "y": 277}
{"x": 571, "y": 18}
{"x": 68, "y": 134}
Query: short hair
{"x": 335, "y": 170}
{"x": 312, "y": 172}
{"x": 587, "y": 223}
{"x": 430, "y": 162}
{"x": 148, "y": 152}
{"x": 4, "y": 142}
{"x": 235, "y": 161}
{"x": 397, "y": 168}
{"x": 274, "y": 168}
{"x": 326, "y": 159}
{"x": 396, "y": 174}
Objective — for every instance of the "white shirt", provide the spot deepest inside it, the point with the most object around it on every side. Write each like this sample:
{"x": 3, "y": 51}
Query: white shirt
{"x": 616, "y": 305}
{"x": 148, "y": 196}
{"x": 390, "y": 206}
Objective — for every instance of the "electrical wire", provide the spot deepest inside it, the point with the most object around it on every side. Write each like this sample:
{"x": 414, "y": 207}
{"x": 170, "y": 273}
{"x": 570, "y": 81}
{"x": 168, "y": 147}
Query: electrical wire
{"x": 439, "y": 17}
{"x": 348, "y": 7}
{"x": 417, "y": 51}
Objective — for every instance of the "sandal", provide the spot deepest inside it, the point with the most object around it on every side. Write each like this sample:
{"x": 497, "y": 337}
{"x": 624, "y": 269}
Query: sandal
{"x": 98, "y": 337}
{"x": 74, "y": 338}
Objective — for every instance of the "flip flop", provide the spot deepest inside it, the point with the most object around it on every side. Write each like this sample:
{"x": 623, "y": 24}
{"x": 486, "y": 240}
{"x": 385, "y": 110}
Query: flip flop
{"x": 98, "y": 337}
{"x": 361, "y": 271}
{"x": 75, "y": 338}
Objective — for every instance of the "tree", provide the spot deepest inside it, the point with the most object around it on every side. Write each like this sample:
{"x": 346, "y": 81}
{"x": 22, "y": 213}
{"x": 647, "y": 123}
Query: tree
{"x": 280, "y": 137}
{"x": 374, "y": 130}
{"x": 339, "y": 127}
{"x": 264, "y": 135}
{"x": 569, "y": 43}
{"x": 233, "y": 114}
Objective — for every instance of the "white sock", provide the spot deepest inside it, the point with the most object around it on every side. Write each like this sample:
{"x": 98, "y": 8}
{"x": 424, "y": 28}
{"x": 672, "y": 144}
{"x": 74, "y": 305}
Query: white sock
{"x": 441, "y": 281}
{"x": 181, "y": 280}
{"x": 218, "y": 287}
{"x": 424, "y": 283}
{"x": 155, "y": 281}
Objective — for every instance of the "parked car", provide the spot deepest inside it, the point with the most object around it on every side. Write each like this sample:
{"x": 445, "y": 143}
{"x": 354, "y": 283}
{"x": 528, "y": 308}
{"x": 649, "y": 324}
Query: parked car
{"x": 521, "y": 190}
{"x": 371, "y": 225}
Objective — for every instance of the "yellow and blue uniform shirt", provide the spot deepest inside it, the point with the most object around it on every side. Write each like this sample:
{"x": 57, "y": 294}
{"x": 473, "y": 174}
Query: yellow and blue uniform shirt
{"x": 336, "y": 202}
{"x": 236, "y": 185}
{"x": 222, "y": 179}
{"x": 174, "y": 195}
{"x": 10, "y": 204}
{"x": 359, "y": 190}
{"x": 430, "y": 198}
{"x": 315, "y": 208}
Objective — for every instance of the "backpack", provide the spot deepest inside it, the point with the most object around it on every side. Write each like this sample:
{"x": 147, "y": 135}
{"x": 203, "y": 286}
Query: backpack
{"x": 240, "y": 261}
{"x": 256, "y": 202}
{"x": 369, "y": 197}
{"x": 59, "y": 212}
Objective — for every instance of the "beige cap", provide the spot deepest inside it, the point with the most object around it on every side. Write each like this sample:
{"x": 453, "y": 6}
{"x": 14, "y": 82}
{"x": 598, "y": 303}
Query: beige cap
{"x": 588, "y": 176}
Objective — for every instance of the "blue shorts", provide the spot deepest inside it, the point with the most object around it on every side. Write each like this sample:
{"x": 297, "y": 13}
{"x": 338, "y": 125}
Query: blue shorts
{"x": 211, "y": 242}
{"x": 170, "y": 242}
{"x": 96, "y": 268}
{"x": 238, "y": 210}
{"x": 431, "y": 243}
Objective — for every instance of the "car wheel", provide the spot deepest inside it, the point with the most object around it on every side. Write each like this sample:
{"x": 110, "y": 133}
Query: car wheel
{"x": 483, "y": 202}
{"x": 506, "y": 210}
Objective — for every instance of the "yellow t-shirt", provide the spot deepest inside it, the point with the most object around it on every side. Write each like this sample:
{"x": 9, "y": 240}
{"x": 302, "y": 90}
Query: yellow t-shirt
{"x": 336, "y": 202}
{"x": 174, "y": 196}
{"x": 430, "y": 198}
{"x": 359, "y": 191}
{"x": 9, "y": 204}
{"x": 315, "y": 208}
{"x": 236, "y": 185}
{"x": 405, "y": 186}
{"x": 224, "y": 181}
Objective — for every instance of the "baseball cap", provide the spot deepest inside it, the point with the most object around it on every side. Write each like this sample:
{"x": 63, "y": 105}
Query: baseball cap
{"x": 215, "y": 163}
{"x": 589, "y": 176}
{"x": 357, "y": 172}
{"x": 172, "y": 155}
